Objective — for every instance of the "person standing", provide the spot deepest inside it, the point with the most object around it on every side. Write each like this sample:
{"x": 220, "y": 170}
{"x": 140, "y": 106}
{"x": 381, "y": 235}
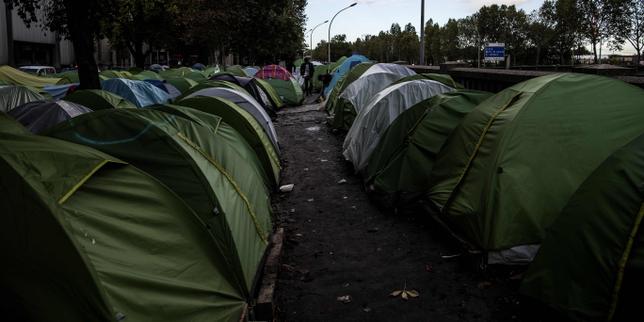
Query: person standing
{"x": 307, "y": 70}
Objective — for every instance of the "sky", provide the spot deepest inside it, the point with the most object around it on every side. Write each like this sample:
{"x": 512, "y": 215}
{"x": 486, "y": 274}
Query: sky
{"x": 369, "y": 17}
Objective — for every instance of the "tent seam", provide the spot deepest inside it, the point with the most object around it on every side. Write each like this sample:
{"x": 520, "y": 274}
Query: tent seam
{"x": 82, "y": 181}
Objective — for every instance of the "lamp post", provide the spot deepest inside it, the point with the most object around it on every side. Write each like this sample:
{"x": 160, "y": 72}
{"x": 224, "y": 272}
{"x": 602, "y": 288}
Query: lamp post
{"x": 421, "y": 60}
{"x": 329, "y": 35}
{"x": 312, "y": 30}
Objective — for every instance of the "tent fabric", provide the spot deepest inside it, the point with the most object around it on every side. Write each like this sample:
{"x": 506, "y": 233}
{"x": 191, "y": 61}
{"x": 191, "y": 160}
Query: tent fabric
{"x": 274, "y": 72}
{"x": 148, "y": 74}
{"x": 210, "y": 167}
{"x": 484, "y": 182}
{"x": 360, "y": 92}
{"x": 251, "y": 86}
{"x": 91, "y": 254}
{"x": 441, "y": 78}
{"x": 236, "y": 70}
{"x": 14, "y": 96}
{"x": 271, "y": 93}
{"x": 251, "y": 71}
{"x": 342, "y": 70}
{"x": 97, "y": 99}
{"x": 349, "y": 78}
{"x": 42, "y": 115}
{"x": 289, "y": 91}
{"x": 402, "y": 162}
{"x": 248, "y": 103}
{"x": 111, "y": 74}
{"x": 172, "y": 91}
{"x": 68, "y": 77}
{"x": 578, "y": 268}
{"x": 384, "y": 108}
{"x": 212, "y": 84}
{"x": 12, "y": 76}
{"x": 139, "y": 93}
{"x": 59, "y": 91}
{"x": 199, "y": 66}
{"x": 245, "y": 124}
{"x": 181, "y": 83}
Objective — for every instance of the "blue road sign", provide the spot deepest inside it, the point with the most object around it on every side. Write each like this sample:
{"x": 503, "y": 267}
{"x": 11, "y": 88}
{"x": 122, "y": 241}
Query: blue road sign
{"x": 494, "y": 52}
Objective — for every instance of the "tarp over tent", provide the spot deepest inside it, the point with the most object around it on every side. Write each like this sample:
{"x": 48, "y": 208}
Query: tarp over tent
{"x": 139, "y": 93}
{"x": 402, "y": 162}
{"x": 106, "y": 241}
{"x": 360, "y": 92}
{"x": 12, "y": 76}
{"x": 210, "y": 167}
{"x": 374, "y": 119}
{"x": 97, "y": 99}
{"x": 342, "y": 70}
{"x": 339, "y": 87}
{"x": 248, "y": 103}
{"x": 42, "y": 115}
{"x": 14, "y": 96}
{"x": 484, "y": 181}
{"x": 591, "y": 263}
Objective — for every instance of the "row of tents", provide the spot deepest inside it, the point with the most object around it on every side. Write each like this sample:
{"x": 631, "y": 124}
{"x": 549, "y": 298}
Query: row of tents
{"x": 112, "y": 211}
{"x": 548, "y": 172}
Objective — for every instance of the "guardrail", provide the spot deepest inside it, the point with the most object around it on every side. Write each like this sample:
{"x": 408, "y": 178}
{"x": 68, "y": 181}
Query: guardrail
{"x": 496, "y": 80}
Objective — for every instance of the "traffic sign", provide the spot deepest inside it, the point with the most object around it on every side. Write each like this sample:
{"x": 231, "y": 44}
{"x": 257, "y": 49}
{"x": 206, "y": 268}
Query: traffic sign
{"x": 494, "y": 52}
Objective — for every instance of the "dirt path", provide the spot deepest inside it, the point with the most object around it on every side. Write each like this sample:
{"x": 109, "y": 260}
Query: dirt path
{"x": 338, "y": 243}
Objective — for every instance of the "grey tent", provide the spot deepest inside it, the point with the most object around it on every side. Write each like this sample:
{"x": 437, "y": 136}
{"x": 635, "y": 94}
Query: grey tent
{"x": 248, "y": 103}
{"x": 42, "y": 115}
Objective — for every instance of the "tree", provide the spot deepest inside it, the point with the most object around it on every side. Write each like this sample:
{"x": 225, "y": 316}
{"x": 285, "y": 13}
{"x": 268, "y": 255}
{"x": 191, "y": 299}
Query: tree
{"x": 137, "y": 23}
{"x": 80, "y": 21}
{"x": 633, "y": 32}
{"x": 433, "y": 42}
{"x": 600, "y": 21}
{"x": 449, "y": 40}
{"x": 541, "y": 29}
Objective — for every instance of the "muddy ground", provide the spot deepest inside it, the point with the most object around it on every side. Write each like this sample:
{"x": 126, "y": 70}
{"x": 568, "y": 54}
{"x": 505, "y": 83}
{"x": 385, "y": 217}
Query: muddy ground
{"x": 339, "y": 244}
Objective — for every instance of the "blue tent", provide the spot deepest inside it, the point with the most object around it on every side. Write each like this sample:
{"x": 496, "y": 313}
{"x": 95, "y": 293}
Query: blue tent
{"x": 251, "y": 71}
{"x": 140, "y": 93}
{"x": 343, "y": 69}
{"x": 59, "y": 91}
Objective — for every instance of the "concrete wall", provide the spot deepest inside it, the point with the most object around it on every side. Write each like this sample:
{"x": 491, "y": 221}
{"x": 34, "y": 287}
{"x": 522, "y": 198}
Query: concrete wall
{"x": 34, "y": 33}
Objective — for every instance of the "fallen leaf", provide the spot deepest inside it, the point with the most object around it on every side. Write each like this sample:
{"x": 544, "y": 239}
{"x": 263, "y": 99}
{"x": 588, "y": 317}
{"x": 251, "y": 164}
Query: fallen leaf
{"x": 395, "y": 293}
{"x": 404, "y": 295}
{"x": 413, "y": 293}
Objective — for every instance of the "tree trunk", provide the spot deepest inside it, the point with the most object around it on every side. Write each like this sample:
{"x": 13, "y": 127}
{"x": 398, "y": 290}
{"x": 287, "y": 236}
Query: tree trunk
{"x": 595, "y": 51}
{"x": 77, "y": 19}
{"x": 139, "y": 54}
{"x": 538, "y": 56}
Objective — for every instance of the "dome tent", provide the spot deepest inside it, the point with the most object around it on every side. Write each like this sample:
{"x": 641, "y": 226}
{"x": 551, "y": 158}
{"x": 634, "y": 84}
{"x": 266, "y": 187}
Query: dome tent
{"x": 282, "y": 81}
{"x": 342, "y": 69}
{"x": 251, "y": 86}
{"x": 181, "y": 83}
{"x": 358, "y": 94}
{"x": 241, "y": 121}
{"x": 400, "y": 165}
{"x": 245, "y": 101}
{"x": 42, "y": 115}
{"x": 271, "y": 93}
{"x": 351, "y": 77}
{"x": 212, "y": 169}
{"x": 97, "y": 99}
{"x": 14, "y": 96}
{"x": 97, "y": 246}
{"x": 591, "y": 263}
{"x": 535, "y": 141}
{"x": 139, "y": 93}
{"x": 374, "y": 119}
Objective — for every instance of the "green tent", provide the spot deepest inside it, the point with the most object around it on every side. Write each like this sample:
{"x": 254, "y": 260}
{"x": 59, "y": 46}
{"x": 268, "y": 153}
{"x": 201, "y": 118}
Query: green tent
{"x": 246, "y": 125}
{"x": 289, "y": 91}
{"x": 211, "y": 168}
{"x": 271, "y": 93}
{"x": 236, "y": 70}
{"x": 211, "y": 71}
{"x": 591, "y": 262}
{"x": 183, "y": 72}
{"x": 211, "y": 84}
{"x": 513, "y": 163}
{"x": 349, "y": 78}
{"x": 318, "y": 71}
{"x": 181, "y": 83}
{"x": 68, "y": 77}
{"x": 14, "y": 96}
{"x": 148, "y": 74}
{"x": 97, "y": 99}
{"x": 12, "y": 76}
{"x": 117, "y": 74}
{"x": 400, "y": 165}
{"x": 87, "y": 237}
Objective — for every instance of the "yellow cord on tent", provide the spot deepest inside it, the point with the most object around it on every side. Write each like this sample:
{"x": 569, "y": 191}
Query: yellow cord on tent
{"x": 623, "y": 261}
{"x": 228, "y": 177}
{"x": 82, "y": 181}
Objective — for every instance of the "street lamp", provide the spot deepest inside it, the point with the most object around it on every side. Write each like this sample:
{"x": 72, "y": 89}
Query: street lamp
{"x": 329, "y": 35}
{"x": 421, "y": 59}
{"x": 312, "y": 30}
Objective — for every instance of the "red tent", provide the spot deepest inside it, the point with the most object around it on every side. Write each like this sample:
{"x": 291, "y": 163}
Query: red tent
{"x": 274, "y": 72}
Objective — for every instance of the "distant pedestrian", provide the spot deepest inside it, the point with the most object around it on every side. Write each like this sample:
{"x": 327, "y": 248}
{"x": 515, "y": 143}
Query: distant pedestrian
{"x": 307, "y": 70}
